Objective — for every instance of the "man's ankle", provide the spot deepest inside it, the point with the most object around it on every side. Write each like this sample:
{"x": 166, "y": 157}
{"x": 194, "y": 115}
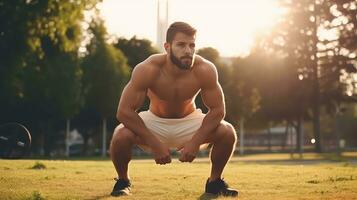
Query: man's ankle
{"x": 213, "y": 178}
{"x": 122, "y": 178}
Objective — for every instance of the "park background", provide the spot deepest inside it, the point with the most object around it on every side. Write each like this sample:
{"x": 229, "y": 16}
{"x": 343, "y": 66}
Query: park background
{"x": 291, "y": 87}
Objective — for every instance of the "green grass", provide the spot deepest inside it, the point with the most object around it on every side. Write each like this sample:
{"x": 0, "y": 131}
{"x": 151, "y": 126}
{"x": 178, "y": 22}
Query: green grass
{"x": 24, "y": 179}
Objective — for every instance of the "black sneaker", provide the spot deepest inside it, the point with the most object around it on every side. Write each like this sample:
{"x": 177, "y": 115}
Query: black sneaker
{"x": 121, "y": 188}
{"x": 220, "y": 187}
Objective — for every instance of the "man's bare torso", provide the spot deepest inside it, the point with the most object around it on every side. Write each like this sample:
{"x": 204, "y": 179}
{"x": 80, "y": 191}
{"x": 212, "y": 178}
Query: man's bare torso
{"x": 171, "y": 94}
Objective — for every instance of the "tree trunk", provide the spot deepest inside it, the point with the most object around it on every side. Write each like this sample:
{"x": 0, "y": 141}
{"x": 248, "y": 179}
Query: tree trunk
{"x": 299, "y": 136}
{"x": 338, "y": 131}
{"x": 316, "y": 87}
{"x": 269, "y": 137}
{"x": 302, "y": 139}
{"x": 297, "y": 128}
{"x": 85, "y": 143}
{"x": 291, "y": 137}
{"x": 241, "y": 136}
{"x": 104, "y": 139}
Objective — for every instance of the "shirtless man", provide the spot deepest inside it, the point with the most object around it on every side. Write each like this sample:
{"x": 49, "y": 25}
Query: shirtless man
{"x": 172, "y": 81}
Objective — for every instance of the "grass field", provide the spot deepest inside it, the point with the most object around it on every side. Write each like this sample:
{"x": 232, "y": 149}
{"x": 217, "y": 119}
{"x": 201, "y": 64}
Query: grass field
{"x": 278, "y": 180}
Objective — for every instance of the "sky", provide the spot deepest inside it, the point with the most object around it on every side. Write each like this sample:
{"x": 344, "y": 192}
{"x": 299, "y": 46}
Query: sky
{"x": 229, "y": 26}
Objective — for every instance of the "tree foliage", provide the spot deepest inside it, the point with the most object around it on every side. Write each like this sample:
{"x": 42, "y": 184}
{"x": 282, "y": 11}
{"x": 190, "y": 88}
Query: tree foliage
{"x": 105, "y": 72}
{"x": 40, "y": 76}
{"x": 136, "y": 50}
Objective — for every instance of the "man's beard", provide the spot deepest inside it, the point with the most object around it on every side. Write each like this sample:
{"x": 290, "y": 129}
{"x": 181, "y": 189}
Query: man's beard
{"x": 179, "y": 64}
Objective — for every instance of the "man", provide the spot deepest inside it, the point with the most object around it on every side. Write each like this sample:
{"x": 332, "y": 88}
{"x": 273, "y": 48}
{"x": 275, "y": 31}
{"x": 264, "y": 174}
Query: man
{"x": 172, "y": 81}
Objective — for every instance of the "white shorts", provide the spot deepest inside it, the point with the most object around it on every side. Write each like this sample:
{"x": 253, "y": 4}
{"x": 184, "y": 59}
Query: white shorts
{"x": 172, "y": 132}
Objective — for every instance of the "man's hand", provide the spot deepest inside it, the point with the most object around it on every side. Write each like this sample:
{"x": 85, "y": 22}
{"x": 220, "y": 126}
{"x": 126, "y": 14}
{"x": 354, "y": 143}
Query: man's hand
{"x": 161, "y": 153}
{"x": 188, "y": 151}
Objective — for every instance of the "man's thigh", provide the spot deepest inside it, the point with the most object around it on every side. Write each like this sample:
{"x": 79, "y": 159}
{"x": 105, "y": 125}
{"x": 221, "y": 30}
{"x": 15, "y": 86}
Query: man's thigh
{"x": 121, "y": 129}
{"x": 137, "y": 140}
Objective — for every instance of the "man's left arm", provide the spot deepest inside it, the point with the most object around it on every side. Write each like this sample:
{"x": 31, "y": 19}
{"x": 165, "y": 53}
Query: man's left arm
{"x": 213, "y": 98}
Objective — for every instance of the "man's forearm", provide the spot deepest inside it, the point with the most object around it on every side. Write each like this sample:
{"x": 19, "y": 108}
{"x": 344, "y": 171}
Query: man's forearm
{"x": 210, "y": 122}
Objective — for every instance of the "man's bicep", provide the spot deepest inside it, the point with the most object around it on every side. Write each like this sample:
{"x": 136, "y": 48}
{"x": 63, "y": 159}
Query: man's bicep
{"x": 132, "y": 97}
{"x": 213, "y": 96}
{"x": 211, "y": 90}
{"x": 134, "y": 93}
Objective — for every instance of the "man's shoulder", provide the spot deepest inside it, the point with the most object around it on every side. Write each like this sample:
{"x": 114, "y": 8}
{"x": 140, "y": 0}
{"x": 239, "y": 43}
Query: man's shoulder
{"x": 206, "y": 72}
{"x": 151, "y": 66}
{"x": 156, "y": 59}
{"x": 204, "y": 66}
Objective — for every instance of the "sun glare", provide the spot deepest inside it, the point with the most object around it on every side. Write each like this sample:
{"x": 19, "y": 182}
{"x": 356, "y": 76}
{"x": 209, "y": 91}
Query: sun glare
{"x": 227, "y": 25}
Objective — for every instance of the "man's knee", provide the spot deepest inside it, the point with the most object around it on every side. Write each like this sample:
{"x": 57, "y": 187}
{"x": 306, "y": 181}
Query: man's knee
{"x": 229, "y": 132}
{"x": 122, "y": 134}
{"x": 224, "y": 132}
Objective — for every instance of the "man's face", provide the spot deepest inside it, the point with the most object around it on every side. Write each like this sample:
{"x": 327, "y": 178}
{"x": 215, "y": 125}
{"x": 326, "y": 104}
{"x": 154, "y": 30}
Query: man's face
{"x": 182, "y": 51}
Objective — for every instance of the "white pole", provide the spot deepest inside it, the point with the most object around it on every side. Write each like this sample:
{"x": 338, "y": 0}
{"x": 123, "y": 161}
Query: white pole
{"x": 104, "y": 139}
{"x": 68, "y": 124}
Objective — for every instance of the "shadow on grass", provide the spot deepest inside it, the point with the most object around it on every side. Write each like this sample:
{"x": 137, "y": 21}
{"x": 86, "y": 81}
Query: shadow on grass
{"x": 206, "y": 196}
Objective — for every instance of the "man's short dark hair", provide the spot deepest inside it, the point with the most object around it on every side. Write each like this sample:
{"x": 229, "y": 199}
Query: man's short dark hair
{"x": 179, "y": 27}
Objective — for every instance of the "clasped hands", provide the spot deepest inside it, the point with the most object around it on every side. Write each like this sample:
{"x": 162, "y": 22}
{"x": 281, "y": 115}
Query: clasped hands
{"x": 188, "y": 152}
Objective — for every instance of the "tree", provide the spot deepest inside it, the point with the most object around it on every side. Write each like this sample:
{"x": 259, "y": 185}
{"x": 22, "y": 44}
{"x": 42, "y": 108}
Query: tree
{"x": 136, "y": 50}
{"x": 13, "y": 47}
{"x": 317, "y": 59}
{"x": 281, "y": 90}
{"x": 337, "y": 55}
{"x": 105, "y": 74}
{"x": 39, "y": 42}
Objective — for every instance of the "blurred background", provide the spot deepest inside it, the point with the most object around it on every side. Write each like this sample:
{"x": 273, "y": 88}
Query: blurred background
{"x": 288, "y": 68}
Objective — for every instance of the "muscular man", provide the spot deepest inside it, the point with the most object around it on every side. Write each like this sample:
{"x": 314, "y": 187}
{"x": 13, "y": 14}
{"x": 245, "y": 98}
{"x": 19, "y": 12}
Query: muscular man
{"x": 172, "y": 82}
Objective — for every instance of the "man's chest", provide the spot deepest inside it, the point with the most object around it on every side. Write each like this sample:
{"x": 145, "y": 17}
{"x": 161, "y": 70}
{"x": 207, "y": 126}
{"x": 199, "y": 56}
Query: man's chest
{"x": 175, "y": 89}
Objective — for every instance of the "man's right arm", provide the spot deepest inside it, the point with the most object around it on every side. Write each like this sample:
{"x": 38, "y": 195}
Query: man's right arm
{"x": 131, "y": 100}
